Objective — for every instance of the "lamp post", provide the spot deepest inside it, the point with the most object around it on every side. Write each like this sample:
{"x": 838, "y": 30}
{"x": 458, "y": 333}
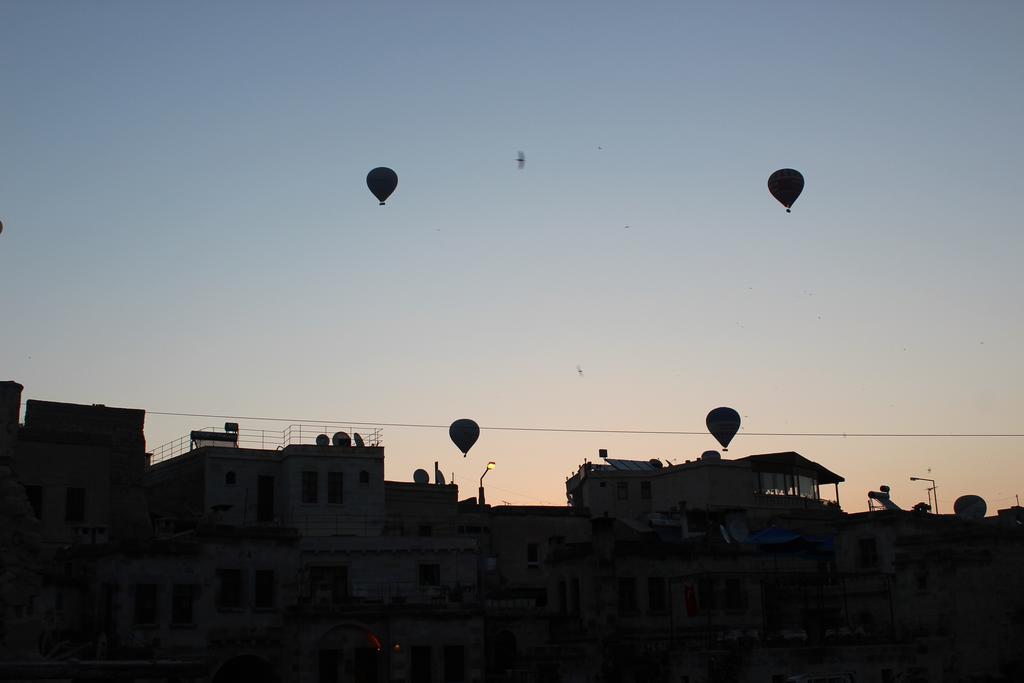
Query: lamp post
{"x": 932, "y": 490}
{"x": 490, "y": 466}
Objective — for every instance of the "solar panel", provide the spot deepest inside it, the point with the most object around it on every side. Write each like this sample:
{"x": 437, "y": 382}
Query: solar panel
{"x": 630, "y": 465}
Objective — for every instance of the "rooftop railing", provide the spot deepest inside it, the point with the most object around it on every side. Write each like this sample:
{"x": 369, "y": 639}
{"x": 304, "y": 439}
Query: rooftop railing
{"x": 265, "y": 439}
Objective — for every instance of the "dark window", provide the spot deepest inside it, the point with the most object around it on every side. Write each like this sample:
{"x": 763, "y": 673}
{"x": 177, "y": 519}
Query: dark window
{"x": 574, "y": 595}
{"x": 366, "y": 665}
{"x": 430, "y": 575}
{"x": 145, "y": 603}
{"x": 74, "y": 505}
{"x": 329, "y": 584}
{"x": 35, "y": 499}
{"x": 263, "y": 588}
{"x": 645, "y": 490}
{"x": 735, "y": 594}
{"x": 328, "y": 662}
{"x": 265, "y": 499}
{"x": 454, "y": 664}
{"x": 230, "y": 479}
{"x": 533, "y": 555}
{"x": 421, "y": 664}
{"x": 334, "y": 488}
{"x": 868, "y": 553}
{"x": 425, "y": 530}
{"x": 706, "y": 593}
{"x": 922, "y": 579}
{"x": 623, "y": 490}
{"x": 563, "y": 598}
{"x": 887, "y": 676}
{"x": 364, "y": 477}
{"x": 627, "y": 594}
{"x": 309, "y": 487}
{"x": 181, "y": 603}
{"x": 229, "y": 588}
{"x": 656, "y": 594}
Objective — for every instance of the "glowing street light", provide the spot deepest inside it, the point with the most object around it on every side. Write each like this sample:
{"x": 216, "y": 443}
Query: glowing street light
{"x": 490, "y": 466}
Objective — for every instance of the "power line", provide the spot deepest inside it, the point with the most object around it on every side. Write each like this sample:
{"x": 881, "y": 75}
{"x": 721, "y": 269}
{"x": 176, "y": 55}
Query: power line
{"x": 575, "y": 430}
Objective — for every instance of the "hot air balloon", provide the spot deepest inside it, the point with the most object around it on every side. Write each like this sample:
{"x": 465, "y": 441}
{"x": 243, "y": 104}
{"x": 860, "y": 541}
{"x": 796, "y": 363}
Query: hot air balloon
{"x": 723, "y": 423}
{"x": 786, "y": 185}
{"x": 382, "y": 181}
{"x": 464, "y": 434}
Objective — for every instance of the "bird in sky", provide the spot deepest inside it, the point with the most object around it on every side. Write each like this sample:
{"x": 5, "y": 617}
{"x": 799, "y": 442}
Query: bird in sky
{"x": 579, "y": 370}
{"x": 521, "y": 160}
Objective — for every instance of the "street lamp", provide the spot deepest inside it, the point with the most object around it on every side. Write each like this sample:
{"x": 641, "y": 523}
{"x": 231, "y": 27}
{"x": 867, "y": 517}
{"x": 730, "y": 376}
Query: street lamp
{"x": 490, "y": 466}
{"x": 931, "y": 491}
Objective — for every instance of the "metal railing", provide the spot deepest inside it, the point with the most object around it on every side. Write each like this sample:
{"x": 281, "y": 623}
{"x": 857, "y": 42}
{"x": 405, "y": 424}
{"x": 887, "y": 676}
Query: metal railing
{"x": 268, "y": 439}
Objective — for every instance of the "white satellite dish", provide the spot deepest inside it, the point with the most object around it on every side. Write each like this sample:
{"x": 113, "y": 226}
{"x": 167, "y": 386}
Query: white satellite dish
{"x": 736, "y": 525}
{"x": 970, "y": 507}
{"x": 421, "y": 477}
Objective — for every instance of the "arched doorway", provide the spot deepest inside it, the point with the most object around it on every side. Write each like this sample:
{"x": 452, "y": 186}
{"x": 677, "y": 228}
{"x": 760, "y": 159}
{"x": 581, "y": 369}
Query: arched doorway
{"x": 248, "y": 668}
{"x": 350, "y": 653}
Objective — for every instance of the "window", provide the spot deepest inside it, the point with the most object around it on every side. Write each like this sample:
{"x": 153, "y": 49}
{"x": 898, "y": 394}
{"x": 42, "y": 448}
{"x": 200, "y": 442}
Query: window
{"x": 145, "y": 603}
{"x": 74, "y": 505}
{"x": 627, "y": 594}
{"x": 807, "y": 487}
{"x": 430, "y": 575}
{"x": 421, "y": 664}
{"x": 532, "y": 555}
{"x": 425, "y": 530}
{"x": 656, "y": 594}
{"x": 230, "y": 479}
{"x": 364, "y": 477}
{"x": 264, "y": 498}
{"x": 263, "y": 589}
{"x": 309, "y": 487}
{"x": 229, "y": 588}
{"x": 735, "y": 594}
{"x": 182, "y": 596}
{"x": 706, "y": 593}
{"x": 329, "y": 585}
{"x": 868, "y": 553}
{"x": 35, "y": 499}
{"x": 574, "y": 595}
{"x": 623, "y": 490}
{"x": 328, "y": 665}
{"x": 454, "y": 664}
{"x": 645, "y": 490}
{"x": 334, "y": 488}
{"x": 563, "y": 598}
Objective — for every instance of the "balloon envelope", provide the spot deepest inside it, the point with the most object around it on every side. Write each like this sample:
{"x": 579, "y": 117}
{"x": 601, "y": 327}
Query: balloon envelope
{"x": 786, "y": 184}
{"x": 382, "y": 181}
{"x": 723, "y": 423}
{"x": 464, "y": 434}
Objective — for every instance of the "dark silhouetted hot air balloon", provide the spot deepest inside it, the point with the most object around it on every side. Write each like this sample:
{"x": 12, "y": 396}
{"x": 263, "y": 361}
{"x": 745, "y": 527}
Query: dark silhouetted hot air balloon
{"x": 464, "y": 434}
{"x": 786, "y": 185}
{"x": 723, "y": 423}
{"x": 382, "y": 181}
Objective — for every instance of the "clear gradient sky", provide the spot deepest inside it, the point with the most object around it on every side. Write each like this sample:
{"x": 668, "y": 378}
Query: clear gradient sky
{"x": 187, "y": 226}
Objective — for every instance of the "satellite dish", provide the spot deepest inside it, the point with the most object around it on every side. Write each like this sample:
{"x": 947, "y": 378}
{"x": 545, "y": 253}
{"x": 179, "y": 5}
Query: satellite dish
{"x": 439, "y": 477}
{"x": 655, "y": 463}
{"x": 341, "y": 439}
{"x": 421, "y": 477}
{"x": 710, "y": 455}
{"x": 723, "y": 423}
{"x": 358, "y": 439}
{"x": 322, "y": 440}
{"x": 464, "y": 434}
{"x": 736, "y": 525}
{"x": 970, "y": 507}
